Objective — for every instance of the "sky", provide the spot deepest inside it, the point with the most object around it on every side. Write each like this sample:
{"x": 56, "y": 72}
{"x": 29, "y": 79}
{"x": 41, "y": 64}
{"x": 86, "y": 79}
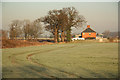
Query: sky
{"x": 100, "y": 15}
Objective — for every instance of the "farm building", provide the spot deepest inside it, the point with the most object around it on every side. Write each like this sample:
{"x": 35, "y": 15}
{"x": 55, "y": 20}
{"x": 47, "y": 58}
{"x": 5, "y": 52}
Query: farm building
{"x": 89, "y": 33}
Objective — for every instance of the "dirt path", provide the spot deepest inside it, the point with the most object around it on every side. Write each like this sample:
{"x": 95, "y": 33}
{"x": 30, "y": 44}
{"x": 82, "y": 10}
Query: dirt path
{"x": 68, "y": 73}
{"x": 28, "y": 57}
{"x": 15, "y": 63}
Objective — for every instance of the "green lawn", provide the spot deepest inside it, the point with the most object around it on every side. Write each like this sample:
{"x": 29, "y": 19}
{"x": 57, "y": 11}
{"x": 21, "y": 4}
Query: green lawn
{"x": 84, "y": 60}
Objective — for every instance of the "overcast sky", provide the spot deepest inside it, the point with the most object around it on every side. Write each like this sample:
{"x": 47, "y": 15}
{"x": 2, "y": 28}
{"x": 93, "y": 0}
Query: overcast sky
{"x": 100, "y": 15}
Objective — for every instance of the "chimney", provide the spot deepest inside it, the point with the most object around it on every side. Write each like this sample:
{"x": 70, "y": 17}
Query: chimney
{"x": 88, "y": 26}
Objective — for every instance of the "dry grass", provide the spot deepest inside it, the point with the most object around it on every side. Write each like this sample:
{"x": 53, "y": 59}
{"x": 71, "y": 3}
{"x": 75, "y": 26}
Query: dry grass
{"x": 6, "y": 43}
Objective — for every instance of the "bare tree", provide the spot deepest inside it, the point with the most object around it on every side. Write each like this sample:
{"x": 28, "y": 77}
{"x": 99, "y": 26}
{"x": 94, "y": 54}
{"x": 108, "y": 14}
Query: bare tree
{"x": 61, "y": 21}
{"x": 26, "y": 28}
{"x": 15, "y": 29}
{"x": 51, "y": 22}
{"x": 4, "y": 34}
{"x": 37, "y": 29}
{"x": 74, "y": 20}
{"x": 106, "y": 33}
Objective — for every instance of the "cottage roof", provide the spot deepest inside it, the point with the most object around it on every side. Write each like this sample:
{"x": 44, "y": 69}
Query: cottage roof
{"x": 88, "y": 30}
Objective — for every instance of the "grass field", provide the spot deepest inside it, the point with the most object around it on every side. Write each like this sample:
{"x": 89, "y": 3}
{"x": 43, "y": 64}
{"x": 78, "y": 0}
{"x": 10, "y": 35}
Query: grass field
{"x": 70, "y": 60}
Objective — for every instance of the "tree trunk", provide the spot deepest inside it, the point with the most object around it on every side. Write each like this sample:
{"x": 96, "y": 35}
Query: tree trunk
{"x": 55, "y": 35}
{"x": 15, "y": 36}
{"x": 58, "y": 36}
{"x": 11, "y": 35}
{"x": 34, "y": 38}
{"x": 62, "y": 36}
{"x": 28, "y": 36}
{"x": 25, "y": 36}
{"x": 69, "y": 35}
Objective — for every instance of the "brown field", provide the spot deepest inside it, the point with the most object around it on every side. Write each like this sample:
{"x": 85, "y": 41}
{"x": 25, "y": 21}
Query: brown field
{"x": 6, "y": 43}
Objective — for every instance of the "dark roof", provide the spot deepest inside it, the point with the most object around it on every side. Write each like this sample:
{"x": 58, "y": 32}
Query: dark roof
{"x": 88, "y": 30}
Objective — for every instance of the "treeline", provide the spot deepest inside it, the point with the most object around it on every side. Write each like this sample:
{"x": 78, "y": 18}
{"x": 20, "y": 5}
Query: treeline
{"x": 24, "y": 29}
{"x": 58, "y": 22}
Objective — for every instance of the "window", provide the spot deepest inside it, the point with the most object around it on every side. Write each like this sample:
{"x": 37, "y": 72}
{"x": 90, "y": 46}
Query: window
{"x": 89, "y": 33}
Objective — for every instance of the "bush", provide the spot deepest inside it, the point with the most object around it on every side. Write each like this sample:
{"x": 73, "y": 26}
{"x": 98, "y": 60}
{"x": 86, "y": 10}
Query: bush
{"x": 111, "y": 39}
